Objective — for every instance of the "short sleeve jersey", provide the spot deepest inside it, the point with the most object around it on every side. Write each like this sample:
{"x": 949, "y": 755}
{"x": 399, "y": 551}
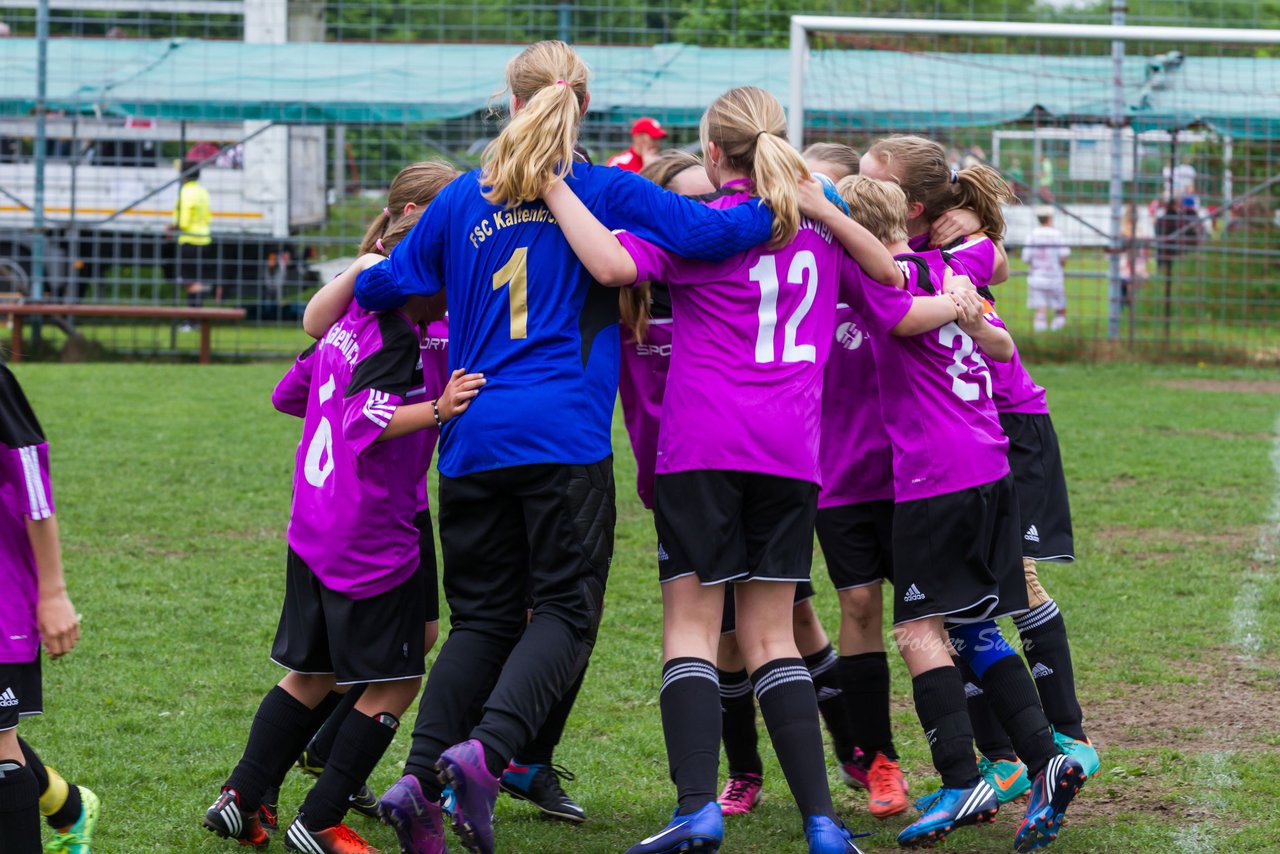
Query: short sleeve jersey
{"x": 641, "y": 385}
{"x": 936, "y": 396}
{"x": 751, "y": 338}
{"x": 27, "y": 495}
{"x": 1044, "y": 253}
{"x": 524, "y": 311}
{"x": 354, "y": 498}
{"x": 856, "y": 454}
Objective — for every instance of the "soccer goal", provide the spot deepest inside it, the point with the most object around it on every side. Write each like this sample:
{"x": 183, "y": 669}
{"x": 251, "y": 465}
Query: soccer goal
{"x": 1153, "y": 149}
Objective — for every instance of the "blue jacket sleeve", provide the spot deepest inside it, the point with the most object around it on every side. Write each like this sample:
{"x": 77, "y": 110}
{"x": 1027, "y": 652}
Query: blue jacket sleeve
{"x": 415, "y": 266}
{"x": 677, "y": 223}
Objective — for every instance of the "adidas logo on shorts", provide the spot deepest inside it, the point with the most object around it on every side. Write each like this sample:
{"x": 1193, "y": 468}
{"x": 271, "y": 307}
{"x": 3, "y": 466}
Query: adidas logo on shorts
{"x": 8, "y": 698}
{"x": 1041, "y": 670}
{"x": 971, "y": 690}
{"x": 1032, "y": 535}
{"x": 913, "y": 594}
{"x": 662, "y": 552}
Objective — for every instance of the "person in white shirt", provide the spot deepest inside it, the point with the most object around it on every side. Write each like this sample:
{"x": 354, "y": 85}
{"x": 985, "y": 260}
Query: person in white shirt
{"x": 1046, "y": 255}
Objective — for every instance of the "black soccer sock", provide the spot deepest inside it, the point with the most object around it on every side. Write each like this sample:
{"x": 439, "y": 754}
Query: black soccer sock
{"x": 738, "y": 722}
{"x": 789, "y": 707}
{"x": 359, "y": 746}
{"x": 690, "y": 703}
{"x": 991, "y": 739}
{"x": 823, "y": 669}
{"x": 1044, "y": 642}
{"x": 544, "y": 744}
{"x": 939, "y": 696}
{"x": 328, "y": 717}
{"x": 19, "y": 809}
{"x": 280, "y": 730}
{"x": 864, "y": 680}
{"x": 61, "y": 807}
{"x": 1012, "y": 694}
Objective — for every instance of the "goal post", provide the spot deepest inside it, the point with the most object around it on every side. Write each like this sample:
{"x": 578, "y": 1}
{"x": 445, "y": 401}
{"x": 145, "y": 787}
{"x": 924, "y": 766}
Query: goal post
{"x": 1129, "y": 101}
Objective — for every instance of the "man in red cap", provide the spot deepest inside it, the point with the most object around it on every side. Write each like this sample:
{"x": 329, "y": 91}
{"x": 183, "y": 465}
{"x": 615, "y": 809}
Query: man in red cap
{"x": 645, "y": 134}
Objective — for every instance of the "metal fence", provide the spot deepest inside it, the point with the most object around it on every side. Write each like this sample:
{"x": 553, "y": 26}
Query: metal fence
{"x": 299, "y": 113}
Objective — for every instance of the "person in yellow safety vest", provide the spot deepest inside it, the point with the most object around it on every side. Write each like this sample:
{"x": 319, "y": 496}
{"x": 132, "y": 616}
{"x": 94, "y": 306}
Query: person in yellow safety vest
{"x": 192, "y": 219}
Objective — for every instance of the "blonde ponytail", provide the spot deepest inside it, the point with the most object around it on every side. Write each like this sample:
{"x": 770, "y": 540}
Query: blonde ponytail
{"x": 417, "y": 184}
{"x": 749, "y": 126}
{"x": 549, "y": 80}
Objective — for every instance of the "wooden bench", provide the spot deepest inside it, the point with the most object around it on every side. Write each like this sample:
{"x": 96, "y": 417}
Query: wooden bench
{"x": 203, "y": 316}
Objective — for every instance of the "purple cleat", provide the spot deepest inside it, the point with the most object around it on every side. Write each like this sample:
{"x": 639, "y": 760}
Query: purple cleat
{"x": 418, "y": 823}
{"x": 475, "y": 791}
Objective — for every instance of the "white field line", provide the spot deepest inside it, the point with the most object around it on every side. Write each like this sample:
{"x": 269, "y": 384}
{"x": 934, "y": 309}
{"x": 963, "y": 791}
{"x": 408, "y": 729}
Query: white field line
{"x": 1216, "y": 771}
{"x": 1244, "y": 610}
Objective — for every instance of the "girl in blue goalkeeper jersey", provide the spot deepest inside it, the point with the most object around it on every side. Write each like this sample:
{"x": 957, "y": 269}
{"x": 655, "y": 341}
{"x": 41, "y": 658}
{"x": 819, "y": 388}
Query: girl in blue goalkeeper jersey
{"x": 526, "y": 486}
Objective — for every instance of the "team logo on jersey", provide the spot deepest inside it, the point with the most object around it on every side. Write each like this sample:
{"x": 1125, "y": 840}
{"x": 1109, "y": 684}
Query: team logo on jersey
{"x": 1032, "y": 535}
{"x": 913, "y": 594}
{"x": 1041, "y": 670}
{"x": 849, "y": 336}
{"x": 8, "y": 698}
{"x": 378, "y": 408}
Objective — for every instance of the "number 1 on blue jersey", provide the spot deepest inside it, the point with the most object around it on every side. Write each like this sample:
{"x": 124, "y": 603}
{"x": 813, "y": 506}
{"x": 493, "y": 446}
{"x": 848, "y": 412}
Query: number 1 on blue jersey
{"x": 515, "y": 273}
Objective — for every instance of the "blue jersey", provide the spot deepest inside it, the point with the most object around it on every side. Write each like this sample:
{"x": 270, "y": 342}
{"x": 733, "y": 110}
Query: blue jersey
{"x": 524, "y": 312}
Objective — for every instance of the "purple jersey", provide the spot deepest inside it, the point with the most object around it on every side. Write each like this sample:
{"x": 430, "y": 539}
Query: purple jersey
{"x": 1012, "y": 388}
{"x": 856, "y": 454}
{"x": 641, "y": 384}
{"x": 26, "y": 494}
{"x": 354, "y": 498}
{"x": 435, "y": 376}
{"x": 935, "y": 392}
{"x": 752, "y": 337}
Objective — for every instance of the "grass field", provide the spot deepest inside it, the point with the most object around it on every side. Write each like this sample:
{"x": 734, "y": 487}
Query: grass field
{"x": 172, "y": 483}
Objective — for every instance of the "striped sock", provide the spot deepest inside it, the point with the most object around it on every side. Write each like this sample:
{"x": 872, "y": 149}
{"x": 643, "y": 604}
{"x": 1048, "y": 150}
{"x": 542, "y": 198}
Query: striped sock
{"x": 789, "y": 706}
{"x": 738, "y": 721}
{"x": 1044, "y": 642}
{"x": 690, "y": 702}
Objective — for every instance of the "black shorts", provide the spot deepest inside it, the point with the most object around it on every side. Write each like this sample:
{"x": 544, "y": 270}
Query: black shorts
{"x": 21, "y": 692}
{"x": 857, "y": 542}
{"x": 377, "y": 639}
{"x": 729, "y": 619}
{"x": 195, "y": 263}
{"x": 734, "y": 526}
{"x": 1043, "y": 505}
{"x": 957, "y": 555}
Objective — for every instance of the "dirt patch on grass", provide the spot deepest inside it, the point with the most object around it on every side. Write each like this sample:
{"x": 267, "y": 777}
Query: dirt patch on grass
{"x": 1157, "y": 541}
{"x": 1236, "y": 386}
{"x": 1223, "y": 705}
{"x": 1208, "y": 433}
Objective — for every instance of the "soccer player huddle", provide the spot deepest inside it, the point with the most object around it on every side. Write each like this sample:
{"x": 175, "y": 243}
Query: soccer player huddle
{"x": 796, "y": 354}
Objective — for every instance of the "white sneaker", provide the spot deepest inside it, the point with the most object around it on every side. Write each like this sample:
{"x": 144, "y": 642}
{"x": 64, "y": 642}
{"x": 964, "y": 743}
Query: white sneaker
{"x": 1057, "y": 323}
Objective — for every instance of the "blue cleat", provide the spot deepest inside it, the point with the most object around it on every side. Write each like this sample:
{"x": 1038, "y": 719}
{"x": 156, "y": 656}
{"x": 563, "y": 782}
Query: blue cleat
{"x": 1051, "y": 793}
{"x": 829, "y": 836}
{"x": 1081, "y": 751}
{"x": 947, "y": 809}
{"x": 475, "y": 791}
{"x": 703, "y": 831}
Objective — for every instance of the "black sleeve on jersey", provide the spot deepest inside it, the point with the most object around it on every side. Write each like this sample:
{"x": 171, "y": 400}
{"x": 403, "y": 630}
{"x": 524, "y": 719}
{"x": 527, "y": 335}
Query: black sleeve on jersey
{"x": 396, "y": 368}
{"x": 922, "y": 271}
{"x": 659, "y": 300}
{"x": 306, "y": 354}
{"x": 19, "y": 427}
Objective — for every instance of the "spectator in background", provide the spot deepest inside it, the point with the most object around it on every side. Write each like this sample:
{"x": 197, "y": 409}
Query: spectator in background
{"x": 1046, "y": 255}
{"x": 192, "y": 220}
{"x": 1046, "y": 178}
{"x": 1135, "y": 259}
{"x": 4, "y": 29}
{"x": 645, "y": 134}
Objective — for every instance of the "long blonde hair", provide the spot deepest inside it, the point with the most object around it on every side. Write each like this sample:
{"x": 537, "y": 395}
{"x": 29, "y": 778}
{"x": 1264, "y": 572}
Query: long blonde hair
{"x": 920, "y": 167}
{"x": 750, "y": 127}
{"x": 536, "y": 147}
{"x": 417, "y": 184}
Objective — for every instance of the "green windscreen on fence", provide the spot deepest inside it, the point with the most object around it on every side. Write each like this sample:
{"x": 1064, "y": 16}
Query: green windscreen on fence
{"x": 396, "y": 83}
